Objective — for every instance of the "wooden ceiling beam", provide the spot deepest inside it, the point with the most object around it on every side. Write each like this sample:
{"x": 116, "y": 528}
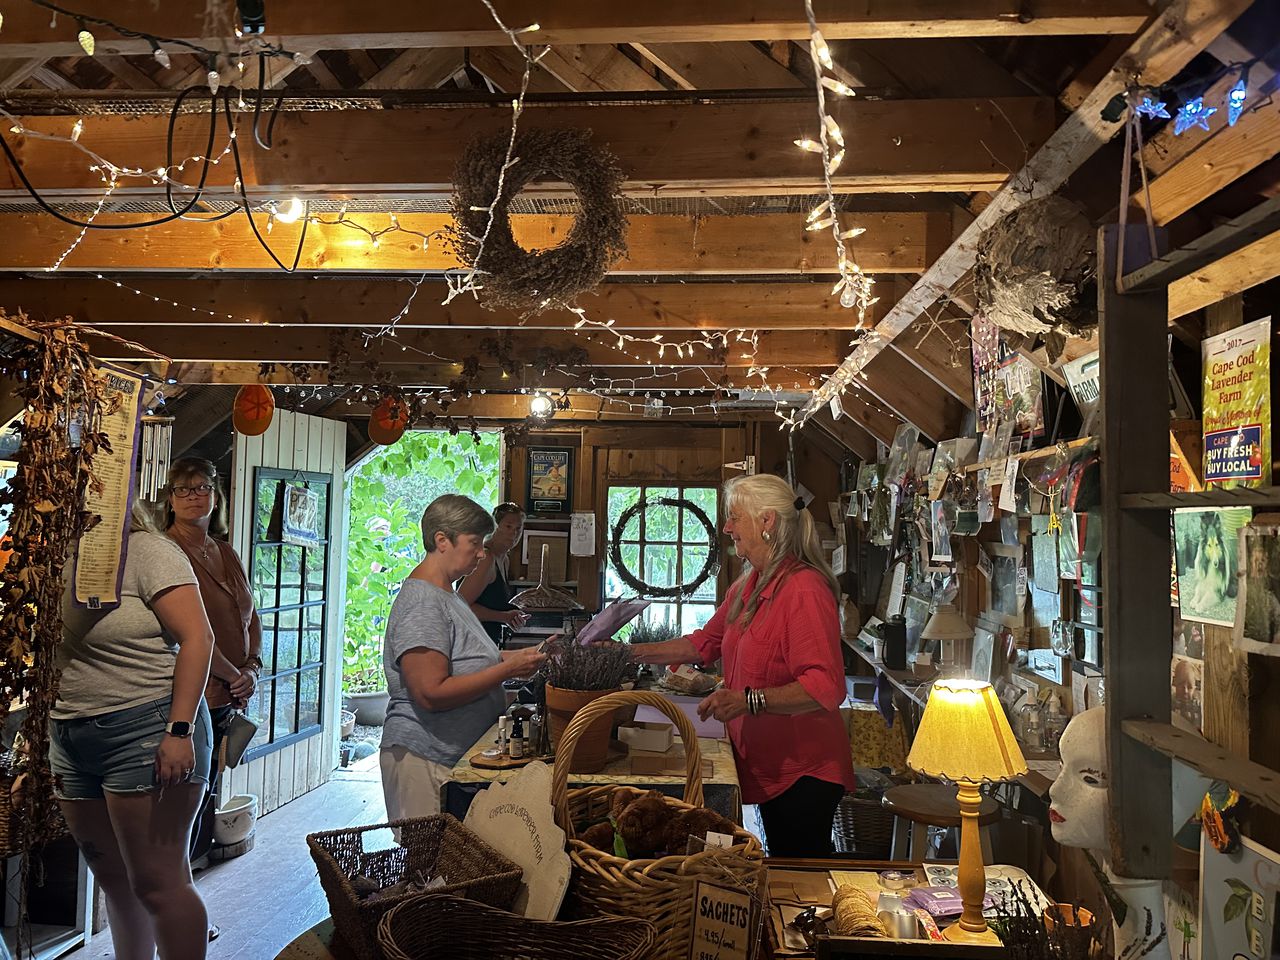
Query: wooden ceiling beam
{"x": 914, "y": 396}
{"x": 417, "y": 70}
{"x": 848, "y": 434}
{"x": 336, "y": 26}
{"x": 300, "y": 345}
{"x": 503, "y": 67}
{"x": 942, "y": 354}
{"x": 772, "y": 244}
{"x": 666, "y": 148}
{"x": 632, "y": 379}
{"x": 1181, "y": 31}
{"x": 583, "y": 407}
{"x": 343, "y": 302}
{"x": 14, "y": 73}
{"x": 866, "y": 413}
{"x": 1255, "y": 264}
{"x": 732, "y": 65}
{"x": 596, "y": 67}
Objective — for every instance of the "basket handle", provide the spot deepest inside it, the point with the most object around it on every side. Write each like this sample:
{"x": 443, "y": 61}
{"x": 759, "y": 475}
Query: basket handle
{"x": 607, "y": 705}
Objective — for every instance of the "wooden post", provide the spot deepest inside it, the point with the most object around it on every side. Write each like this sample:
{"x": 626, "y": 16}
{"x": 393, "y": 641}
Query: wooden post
{"x": 1137, "y": 619}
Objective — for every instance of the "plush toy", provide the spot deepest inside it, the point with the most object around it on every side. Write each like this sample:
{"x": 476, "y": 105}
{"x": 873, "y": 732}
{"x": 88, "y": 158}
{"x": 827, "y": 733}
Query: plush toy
{"x": 599, "y": 836}
{"x": 686, "y": 831}
{"x": 642, "y": 824}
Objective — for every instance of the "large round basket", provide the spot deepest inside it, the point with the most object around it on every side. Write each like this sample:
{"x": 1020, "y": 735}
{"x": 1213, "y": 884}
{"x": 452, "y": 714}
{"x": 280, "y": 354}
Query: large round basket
{"x": 451, "y": 928}
{"x": 659, "y": 890}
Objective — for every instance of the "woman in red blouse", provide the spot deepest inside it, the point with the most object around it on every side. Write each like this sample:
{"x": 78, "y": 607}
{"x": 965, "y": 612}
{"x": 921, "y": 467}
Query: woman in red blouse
{"x": 778, "y": 634}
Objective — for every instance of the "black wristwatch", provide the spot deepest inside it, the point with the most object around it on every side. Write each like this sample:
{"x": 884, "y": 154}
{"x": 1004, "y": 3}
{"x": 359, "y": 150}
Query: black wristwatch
{"x": 178, "y": 728}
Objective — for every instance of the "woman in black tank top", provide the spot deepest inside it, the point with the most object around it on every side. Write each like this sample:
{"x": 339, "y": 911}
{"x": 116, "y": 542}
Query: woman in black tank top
{"x": 486, "y": 588}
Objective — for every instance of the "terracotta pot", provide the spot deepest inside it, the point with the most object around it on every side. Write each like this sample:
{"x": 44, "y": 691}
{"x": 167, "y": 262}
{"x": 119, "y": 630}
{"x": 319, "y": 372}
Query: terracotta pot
{"x": 592, "y": 750}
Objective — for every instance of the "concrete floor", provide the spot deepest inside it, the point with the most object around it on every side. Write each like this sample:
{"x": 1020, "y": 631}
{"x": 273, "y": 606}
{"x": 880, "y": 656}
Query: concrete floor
{"x": 263, "y": 900}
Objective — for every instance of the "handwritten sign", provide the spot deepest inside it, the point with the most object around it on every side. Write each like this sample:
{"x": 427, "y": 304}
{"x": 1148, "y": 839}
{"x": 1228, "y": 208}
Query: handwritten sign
{"x": 100, "y": 556}
{"x": 723, "y": 927}
{"x": 582, "y": 534}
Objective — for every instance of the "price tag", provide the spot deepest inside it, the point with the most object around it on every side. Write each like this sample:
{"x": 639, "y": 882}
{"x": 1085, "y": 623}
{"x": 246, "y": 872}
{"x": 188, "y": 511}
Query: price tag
{"x": 723, "y": 924}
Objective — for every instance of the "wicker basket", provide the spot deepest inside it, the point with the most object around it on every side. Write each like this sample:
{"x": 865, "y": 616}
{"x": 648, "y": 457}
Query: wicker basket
{"x": 436, "y": 926}
{"x": 430, "y": 846}
{"x": 864, "y": 827}
{"x": 660, "y": 890}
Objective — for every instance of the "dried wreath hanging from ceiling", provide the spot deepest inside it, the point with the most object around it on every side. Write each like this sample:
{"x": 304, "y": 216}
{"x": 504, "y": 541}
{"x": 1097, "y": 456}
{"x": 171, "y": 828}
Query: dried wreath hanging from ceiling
{"x": 58, "y": 383}
{"x": 532, "y": 280}
{"x": 1035, "y": 274}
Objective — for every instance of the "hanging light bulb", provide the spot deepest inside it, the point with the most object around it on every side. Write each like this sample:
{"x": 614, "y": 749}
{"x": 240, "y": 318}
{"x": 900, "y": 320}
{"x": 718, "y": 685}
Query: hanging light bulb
{"x": 290, "y": 211}
{"x": 301, "y": 59}
{"x": 76, "y": 129}
{"x": 833, "y": 164}
{"x": 820, "y": 224}
{"x": 833, "y": 130}
{"x": 86, "y": 41}
{"x": 214, "y": 80}
{"x": 848, "y": 297}
{"x": 818, "y": 211}
{"x": 540, "y": 406}
{"x": 161, "y": 55}
{"x": 852, "y": 232}
{"x": 820, "y": 49}
{"x": 838, "y": 87}
{"x": 1235, "y": 101}
{"x": 805, "y": 143}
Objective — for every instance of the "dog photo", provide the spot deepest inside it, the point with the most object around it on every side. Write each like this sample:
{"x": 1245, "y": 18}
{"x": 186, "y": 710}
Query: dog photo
{"x": 1206, "y": 548}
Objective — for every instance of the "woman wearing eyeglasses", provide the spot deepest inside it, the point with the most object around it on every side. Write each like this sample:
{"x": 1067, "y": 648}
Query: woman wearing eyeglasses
{"x": 486, "y": 588}
{"x": 195, "y": 510}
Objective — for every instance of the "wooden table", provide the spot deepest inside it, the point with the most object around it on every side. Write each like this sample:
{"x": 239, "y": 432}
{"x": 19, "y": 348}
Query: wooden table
{"x": 721, "y": 790}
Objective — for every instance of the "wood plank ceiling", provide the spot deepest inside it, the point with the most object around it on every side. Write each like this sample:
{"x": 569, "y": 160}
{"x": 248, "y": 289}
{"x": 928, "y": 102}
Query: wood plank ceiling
{"x": 700, "y": 102}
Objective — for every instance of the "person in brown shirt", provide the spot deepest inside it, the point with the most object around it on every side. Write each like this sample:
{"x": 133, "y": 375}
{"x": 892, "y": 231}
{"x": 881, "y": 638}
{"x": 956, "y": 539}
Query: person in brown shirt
{"x": 195, "y": 511}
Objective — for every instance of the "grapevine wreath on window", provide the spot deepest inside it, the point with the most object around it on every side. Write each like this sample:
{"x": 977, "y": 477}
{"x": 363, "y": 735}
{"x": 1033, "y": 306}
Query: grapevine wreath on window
{"x": 532, "y": 280}
{"x": 710, "y": 566}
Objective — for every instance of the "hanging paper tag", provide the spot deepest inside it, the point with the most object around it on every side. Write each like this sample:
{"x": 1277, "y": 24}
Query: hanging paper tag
{"x": 837, "y": 408}
{"x": 1008, "y": 497}
{"x": 984, "y": 564}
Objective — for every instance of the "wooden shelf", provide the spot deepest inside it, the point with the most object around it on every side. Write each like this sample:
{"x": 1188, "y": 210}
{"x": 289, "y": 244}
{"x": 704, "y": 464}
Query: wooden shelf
{"x": 1253, "y": 780}
{"x": 1237, "y": 497}
{"x": 1028, "y": 455}
{"x": 904, "y": 681}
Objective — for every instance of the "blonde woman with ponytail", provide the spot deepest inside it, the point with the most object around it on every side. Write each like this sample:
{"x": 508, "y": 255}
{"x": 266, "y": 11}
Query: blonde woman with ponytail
{"x": 778, "y": 633}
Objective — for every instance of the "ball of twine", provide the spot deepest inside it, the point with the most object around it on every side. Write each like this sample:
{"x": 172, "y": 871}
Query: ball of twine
{"x": 531, "y": 280}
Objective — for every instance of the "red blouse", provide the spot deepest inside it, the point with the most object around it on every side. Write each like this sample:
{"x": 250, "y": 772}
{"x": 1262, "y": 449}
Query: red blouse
{"x": 794, "y": 635}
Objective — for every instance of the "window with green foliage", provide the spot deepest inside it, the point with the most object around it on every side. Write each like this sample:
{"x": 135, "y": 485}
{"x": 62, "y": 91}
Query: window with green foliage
{"x": 387, "y": 495}
{"x": 664, "y": 546}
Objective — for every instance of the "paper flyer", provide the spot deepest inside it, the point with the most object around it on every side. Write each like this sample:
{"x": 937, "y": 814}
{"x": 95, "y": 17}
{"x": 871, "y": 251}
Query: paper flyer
{"x": 100, "y": 556}
{"x": 1237, "y": 406}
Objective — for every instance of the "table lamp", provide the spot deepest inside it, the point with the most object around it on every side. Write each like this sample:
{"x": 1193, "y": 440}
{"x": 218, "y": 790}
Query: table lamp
{"x": 947, "y": 626}
{"x": 964, "y": 738}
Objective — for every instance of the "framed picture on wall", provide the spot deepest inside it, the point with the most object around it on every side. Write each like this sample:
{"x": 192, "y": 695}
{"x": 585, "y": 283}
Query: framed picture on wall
{"x": 549, "y": 486}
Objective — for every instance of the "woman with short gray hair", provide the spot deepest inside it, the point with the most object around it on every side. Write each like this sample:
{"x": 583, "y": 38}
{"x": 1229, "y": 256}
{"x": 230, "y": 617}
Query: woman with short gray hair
{"x": 444, "y": 673}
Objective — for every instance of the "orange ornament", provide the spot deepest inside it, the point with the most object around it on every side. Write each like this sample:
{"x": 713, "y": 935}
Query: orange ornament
{"x": 252, "y": 412}
{"x": 389, "y": 420}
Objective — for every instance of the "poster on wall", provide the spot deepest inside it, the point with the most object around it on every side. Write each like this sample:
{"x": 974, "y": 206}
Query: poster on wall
{"x": 1238, "y": 900}
{"x": 1237, "y": 406}
{"x": 1257, "y": 626}
{"x": 550, "y": 479}
{"x": 1006, "y": 385}
{"x": 1206, "y": 549}
{"x": 100, "y": 556}
{"x": 1084, "y": 380}
{"x": 301, "y": 522}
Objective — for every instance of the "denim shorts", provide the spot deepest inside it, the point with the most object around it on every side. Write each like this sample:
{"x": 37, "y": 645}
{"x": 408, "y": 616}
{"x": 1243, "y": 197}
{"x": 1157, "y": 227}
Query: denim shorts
{"x": 116, "y": 751}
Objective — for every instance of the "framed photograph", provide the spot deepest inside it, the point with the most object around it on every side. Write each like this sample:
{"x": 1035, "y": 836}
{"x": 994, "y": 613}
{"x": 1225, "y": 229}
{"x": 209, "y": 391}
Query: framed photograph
{"x": 1186, "y": 685}
{"x": 1005, "y": 601}
{"x": 984, "y": 653}
{"x": 1207, "y": 550}
{"x": 1257, "y": 626}
{"x": 550, "y": 479}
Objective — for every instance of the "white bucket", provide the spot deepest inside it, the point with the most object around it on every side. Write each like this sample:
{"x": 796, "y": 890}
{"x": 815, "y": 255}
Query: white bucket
{"x": 232, "y": 823}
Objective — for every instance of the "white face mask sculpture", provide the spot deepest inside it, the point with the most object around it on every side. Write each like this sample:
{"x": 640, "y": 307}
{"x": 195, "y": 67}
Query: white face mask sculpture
{"x": 1078, "y": 813}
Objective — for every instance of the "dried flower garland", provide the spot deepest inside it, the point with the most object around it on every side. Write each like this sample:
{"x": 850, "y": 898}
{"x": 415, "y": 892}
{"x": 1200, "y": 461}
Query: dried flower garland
{"x": 532, "y": 280}
{"x": 59, "y": 384}
{"x": 710, "y": 566}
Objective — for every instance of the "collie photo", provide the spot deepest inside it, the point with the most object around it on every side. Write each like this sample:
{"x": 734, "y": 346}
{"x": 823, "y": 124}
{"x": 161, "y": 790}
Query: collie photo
{"x": 1206, "y": 548}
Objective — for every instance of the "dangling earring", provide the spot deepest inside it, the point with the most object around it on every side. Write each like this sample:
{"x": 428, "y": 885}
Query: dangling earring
{"x": 767, "y": 537}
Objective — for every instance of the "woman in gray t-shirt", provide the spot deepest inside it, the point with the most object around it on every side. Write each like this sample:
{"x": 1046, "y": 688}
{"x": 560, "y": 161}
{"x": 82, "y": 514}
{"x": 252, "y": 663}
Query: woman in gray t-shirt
{"x": 444, "y": 673}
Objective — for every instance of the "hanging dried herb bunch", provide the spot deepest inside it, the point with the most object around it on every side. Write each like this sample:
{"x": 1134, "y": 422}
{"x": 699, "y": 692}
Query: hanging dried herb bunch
{"x": 59, "y": 384}
{"x": 533, "y": 280}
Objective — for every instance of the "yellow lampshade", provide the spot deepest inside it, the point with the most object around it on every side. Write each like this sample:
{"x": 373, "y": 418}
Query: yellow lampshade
{"x": 964, "y": 736}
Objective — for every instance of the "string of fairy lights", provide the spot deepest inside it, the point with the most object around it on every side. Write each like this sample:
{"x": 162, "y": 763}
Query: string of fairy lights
{"x": 853, "y": 287}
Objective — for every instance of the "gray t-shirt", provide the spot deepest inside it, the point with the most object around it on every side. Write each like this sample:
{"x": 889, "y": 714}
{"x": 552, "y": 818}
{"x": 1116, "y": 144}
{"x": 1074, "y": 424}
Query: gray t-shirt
{"x": 426, "y": 617}
{"x": 118, "y": 658}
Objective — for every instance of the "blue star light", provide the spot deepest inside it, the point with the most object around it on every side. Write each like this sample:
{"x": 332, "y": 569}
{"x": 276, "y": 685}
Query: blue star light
{"x": 1152, "y": 110}
{"x": 1193, "y": 113}
{"x": 1235, "y": 102}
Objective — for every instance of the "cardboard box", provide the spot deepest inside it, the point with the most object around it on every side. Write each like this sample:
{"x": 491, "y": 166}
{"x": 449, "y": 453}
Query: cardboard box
{"x": 650, "y": 737}
{"x": 669, "y": 764}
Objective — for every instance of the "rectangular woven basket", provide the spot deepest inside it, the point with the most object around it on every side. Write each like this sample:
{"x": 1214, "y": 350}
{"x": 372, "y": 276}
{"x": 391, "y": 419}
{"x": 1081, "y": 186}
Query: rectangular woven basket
{"x": 430, "y": 846}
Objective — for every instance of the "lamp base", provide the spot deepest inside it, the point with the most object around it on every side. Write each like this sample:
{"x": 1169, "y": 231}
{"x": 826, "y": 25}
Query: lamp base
{"x": 958, "y": 934}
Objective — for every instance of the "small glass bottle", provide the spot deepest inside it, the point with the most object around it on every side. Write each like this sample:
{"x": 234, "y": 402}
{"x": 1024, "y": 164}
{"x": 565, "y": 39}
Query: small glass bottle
{"x": 517, "y": 740}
